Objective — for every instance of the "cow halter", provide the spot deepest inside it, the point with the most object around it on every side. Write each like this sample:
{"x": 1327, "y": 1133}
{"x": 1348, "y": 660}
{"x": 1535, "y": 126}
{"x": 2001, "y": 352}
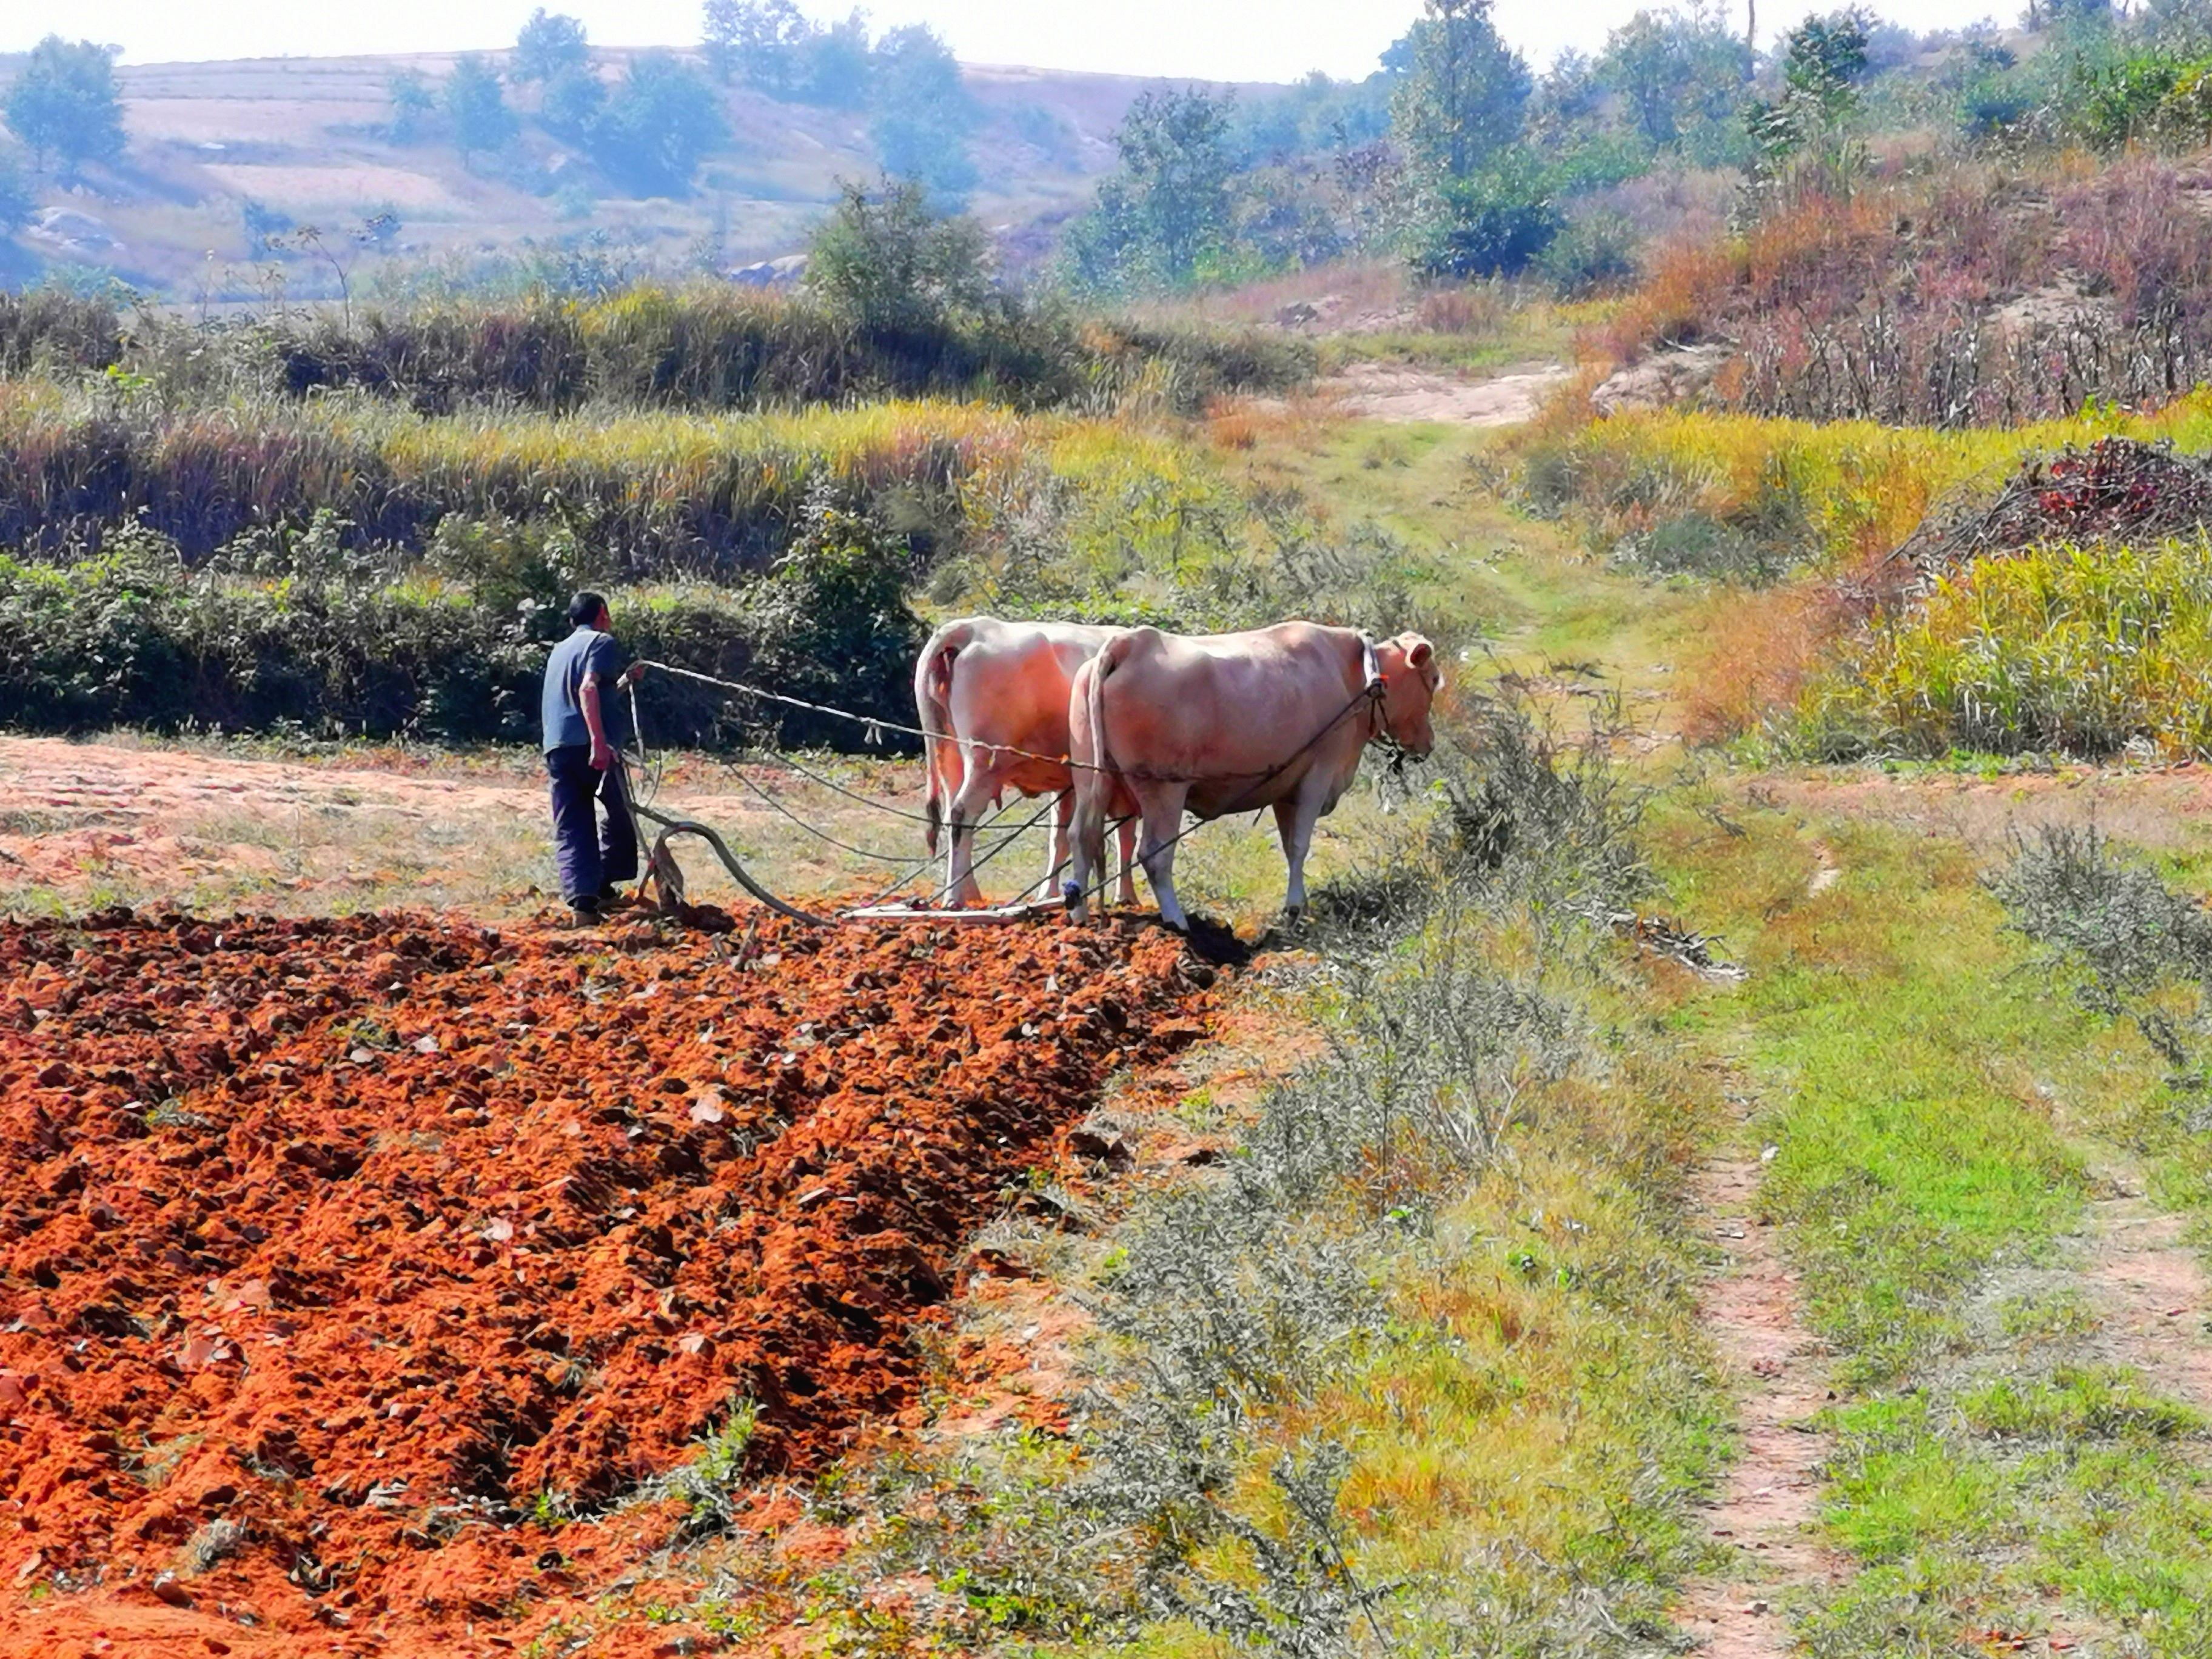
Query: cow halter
{"x": 1378, "y": 731}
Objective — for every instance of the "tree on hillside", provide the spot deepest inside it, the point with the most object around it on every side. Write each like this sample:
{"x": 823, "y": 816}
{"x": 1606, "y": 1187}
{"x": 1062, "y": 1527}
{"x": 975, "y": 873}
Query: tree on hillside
{"x": 1806, "y": 132}
{"x": 1674, "y": 71}
{"x": 659, "y": 122}
{"x": 480, "y": 117}
{"x": 64, "y": 103}
{"x": 1166, "y": 209}
{"x": 412, "y": 104}
{"x": 891, "y": 265}
{"x": 923, "y": 115}
{"x": 549, "y": 46}
{"x": 756, "y": 41}
{"x": 1464, "y": 92}
{"x": 572, "y": 104}
{"x": 834, "y": 64}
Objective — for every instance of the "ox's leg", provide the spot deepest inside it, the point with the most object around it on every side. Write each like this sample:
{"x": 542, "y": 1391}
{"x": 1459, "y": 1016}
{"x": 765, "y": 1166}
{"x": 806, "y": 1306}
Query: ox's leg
{"x": 979, "y": 791}
{"x": 1294, "y": 822}
{"x": 1055, "y": 848}
{"x": 1125, "y": 835}
{"x": 1163, "y": 805}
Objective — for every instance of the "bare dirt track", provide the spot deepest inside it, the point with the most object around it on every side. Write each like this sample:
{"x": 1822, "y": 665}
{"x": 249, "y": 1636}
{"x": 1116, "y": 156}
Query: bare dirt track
{"x": 1765, "y": 1506}
{"x": 1393, "y": 392}
{"x": 342, "y": 1244}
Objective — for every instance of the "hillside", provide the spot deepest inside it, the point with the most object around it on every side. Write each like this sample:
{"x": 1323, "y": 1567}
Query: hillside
{"x": 308, "y": 139}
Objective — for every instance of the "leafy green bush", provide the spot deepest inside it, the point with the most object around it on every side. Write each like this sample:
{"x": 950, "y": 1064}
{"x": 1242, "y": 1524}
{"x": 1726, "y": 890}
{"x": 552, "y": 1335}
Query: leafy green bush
{"x": 1490, "y": 224}
{"x": 2159, "y": 97}
{"x": 300, "y": 633}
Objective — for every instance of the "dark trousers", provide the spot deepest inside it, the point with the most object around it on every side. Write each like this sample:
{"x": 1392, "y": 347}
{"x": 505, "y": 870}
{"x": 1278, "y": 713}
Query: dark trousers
{"x": 589, "y": 851}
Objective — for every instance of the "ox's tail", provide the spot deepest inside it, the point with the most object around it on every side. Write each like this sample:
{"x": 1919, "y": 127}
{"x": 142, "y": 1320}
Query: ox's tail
{"x": 932, "y": 703}
{"x": 1093, "y": 763}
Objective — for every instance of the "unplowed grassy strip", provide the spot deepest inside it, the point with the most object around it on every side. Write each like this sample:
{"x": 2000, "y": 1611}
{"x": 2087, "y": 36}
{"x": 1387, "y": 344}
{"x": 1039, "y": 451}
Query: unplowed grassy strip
{"x": 363, "y": 1241}
{"x": 1995, "y": 1476}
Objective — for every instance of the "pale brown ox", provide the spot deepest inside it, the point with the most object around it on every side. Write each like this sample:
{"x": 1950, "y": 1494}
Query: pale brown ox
{"x": 1227, "y": 723}
{"x": 985, "y": 689}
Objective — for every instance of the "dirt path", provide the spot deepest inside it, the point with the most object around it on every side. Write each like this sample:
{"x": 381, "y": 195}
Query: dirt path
{"x": 1765, "y": 1507}
{"x": 2148, "y": 1290}
{"x": 1393, "y": 392}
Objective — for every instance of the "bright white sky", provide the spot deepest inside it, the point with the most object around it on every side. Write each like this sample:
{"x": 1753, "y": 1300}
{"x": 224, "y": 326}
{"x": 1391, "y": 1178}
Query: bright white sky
{"x": 1204, "y": 40}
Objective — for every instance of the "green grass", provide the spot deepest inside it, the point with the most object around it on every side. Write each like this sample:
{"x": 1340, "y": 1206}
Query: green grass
{"x": 1898, "y": 1049}
{"x": 1532, "y": 598}
{"x": 1933, "y": 1099}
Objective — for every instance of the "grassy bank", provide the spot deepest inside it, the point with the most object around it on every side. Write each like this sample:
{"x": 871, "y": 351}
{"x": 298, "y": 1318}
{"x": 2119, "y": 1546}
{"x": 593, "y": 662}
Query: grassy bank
{"x": 2081, "y": 651}
{"x": 1934, "y": 1111}
{"x": 1702, "y": 493}
{"x": 1804, "y": 637}
{"x": 354, "y": 569}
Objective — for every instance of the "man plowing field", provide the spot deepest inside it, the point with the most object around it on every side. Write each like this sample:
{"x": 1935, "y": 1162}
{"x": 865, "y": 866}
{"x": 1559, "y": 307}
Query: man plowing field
{"x": 583, "y": 736}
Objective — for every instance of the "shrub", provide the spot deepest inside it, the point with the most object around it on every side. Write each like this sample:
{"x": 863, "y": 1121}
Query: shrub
{"x": 1492, "y": 224}
{"x": 832, "y": 626}
{"x": 2075, "y": 650}
{"x": 301, "y": 635}
{"x": 892, "y": 265}
{"x": 1589, "y": 254}
{"x": 48, "y": 330}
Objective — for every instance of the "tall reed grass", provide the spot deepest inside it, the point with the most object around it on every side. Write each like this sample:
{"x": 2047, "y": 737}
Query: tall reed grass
{"x": 2071, "y": 650}
{"x": 660, "y": 493}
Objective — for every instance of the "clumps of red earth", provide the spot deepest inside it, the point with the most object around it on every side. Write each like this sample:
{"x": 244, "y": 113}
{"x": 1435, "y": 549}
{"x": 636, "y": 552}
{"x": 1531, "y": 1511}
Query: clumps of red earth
{"x": 329, "y": 1248}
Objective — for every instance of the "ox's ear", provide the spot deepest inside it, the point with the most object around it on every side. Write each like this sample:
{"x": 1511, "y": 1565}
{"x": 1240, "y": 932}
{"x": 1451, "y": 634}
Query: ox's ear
{"x": 1418, "y": 651}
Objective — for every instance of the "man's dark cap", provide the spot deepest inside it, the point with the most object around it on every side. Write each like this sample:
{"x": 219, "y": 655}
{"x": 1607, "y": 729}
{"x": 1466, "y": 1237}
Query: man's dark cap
{"x": 584, "y": 610}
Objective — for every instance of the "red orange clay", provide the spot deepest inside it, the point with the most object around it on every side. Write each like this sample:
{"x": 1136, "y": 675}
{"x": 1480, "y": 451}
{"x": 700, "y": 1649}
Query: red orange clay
{"x": 361, "y": 1236}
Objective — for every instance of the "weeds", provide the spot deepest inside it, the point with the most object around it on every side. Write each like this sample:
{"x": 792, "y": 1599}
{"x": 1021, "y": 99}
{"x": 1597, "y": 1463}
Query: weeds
{"x": 703, "y": 347}
{"x": 1244, "y": 1311}
{"x": 1973, "y": 295}
{"x": 212, "y": 1543}
{"x": 2126, "y": 936}
{"x": 2063, "y": 649}
{"x": 707, "y": 1485}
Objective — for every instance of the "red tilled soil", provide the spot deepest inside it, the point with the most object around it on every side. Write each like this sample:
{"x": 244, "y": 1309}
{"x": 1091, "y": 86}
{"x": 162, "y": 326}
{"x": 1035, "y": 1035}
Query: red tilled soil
{"x": 361, "y": 1236}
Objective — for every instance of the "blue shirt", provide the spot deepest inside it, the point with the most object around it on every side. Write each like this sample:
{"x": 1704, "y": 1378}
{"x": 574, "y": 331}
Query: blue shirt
{"x": 587, "y": 651}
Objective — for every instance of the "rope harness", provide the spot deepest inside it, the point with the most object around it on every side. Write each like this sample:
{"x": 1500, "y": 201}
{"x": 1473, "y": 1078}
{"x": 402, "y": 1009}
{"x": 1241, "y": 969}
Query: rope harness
{"x": 665, "y": 879}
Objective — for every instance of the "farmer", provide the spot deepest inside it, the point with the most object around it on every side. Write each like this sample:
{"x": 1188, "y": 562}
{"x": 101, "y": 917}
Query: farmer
{"x": 585, "y": 723}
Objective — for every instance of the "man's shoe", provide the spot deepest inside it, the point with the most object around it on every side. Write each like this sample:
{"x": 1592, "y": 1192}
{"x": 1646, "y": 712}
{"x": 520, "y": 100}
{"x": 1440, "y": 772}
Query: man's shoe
{"x": 586, "y": 910}
{"x": 611, "y": 894}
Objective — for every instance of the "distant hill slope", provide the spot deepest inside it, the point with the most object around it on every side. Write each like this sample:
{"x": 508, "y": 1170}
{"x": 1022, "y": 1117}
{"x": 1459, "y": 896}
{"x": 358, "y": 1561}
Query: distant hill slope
{"x": 307, "y": 139}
